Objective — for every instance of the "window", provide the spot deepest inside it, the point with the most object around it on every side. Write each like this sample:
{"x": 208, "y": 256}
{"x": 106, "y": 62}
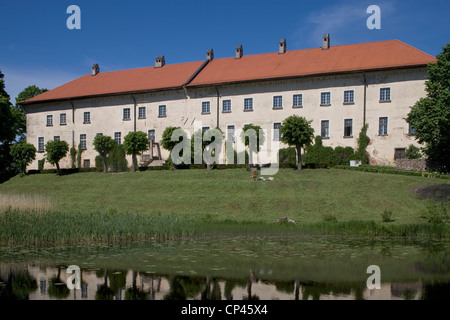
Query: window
{"x": 411, "y": 129}
{"x": 117, "y": 136}
{"x": 298, "y": 100}
{"x": 142, "y": 113}
{"x": 86, "y": 163}
{"x": 226, "y": 106}
{"x": 49, "y": 120}
{"x": 349, "y": 97}
{"x": 325, "y": 128}
{"x": 204, "y": 129}
{"x": 87, "y": 117}
{"x": 151, "y": 135}
{"x": 385, "y": 94}
{"x": 348, "y": 128}
{"x": 83, "y": 141}
{"x": 162, "y": 111}
{"x": 126, "y": 114}
{"x": 325, "y": 99}
{"x": 56, "y": 138}
{"x": 230, "y": 133}
{"x": 278, "y": 102}
{"x": 62, "y": 119}
{"x": 383, "y": 128}
{"x": 248, "y": 104}
{"x": 400, "y": 153}
{"x": 99, "y": 134}
{"x": 41, "y": 144}
{"x": 276, "y": 131}
{"x": 206, "y": 107}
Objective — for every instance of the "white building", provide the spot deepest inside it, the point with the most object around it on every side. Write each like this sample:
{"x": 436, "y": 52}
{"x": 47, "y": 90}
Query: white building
{"x": 339, "y": 88}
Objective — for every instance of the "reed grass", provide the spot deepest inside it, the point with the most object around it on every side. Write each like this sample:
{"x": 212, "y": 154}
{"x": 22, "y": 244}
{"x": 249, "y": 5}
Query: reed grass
{"x": 28, "y": 227}
{"x": 25, "y": 202}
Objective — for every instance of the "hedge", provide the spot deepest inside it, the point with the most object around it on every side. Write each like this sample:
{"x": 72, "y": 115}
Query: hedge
{"x": 391, "y": 170}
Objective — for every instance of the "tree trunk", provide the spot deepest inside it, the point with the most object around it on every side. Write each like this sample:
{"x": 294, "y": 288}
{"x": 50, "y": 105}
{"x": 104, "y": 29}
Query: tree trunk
{"x": 133, "y": 163}
{"x": 299, "y": 158}
{"x": 58, "y": 170}
{"x": 105, "y": 164}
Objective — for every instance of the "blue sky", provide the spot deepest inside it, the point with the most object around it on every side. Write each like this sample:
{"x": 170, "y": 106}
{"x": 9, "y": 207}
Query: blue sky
{"x": 36, "y": 47}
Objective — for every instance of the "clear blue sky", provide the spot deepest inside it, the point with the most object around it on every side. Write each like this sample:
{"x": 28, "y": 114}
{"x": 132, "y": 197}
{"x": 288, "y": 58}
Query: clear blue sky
{"x": 36, "y": 47}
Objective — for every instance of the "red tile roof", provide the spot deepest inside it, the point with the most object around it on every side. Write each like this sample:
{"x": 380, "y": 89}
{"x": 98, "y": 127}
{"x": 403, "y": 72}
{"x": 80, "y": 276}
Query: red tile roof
{"x": 337, "y": 59}
{"x": 132, "y": 80}
{"x": 306, "y": 62}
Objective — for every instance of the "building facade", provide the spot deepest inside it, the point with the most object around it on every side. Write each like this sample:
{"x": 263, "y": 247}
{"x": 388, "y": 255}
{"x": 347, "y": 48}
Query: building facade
{"x": 339, "y": 88}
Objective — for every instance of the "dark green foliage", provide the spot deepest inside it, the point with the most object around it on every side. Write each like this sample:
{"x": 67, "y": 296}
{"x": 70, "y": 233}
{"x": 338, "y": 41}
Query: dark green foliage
{"x": 250, "y": 135}
{"x": 166, "y": 141}
{"x": 79, "y": 155}
{"x": 288, "y": 156}
{"x": 297, "y": 131}
{"x": 318, "y": 155}
{"x": 386, "y": 216}
{"x": 55, "y": 151}
{"x": 18, "y": 112}
{"x": 104, "y": 145}
{"x": 23, "y": 154}
{"x": 363, "y": 142}
{"x": 73, "y": 157}
{"x": 437, "y": 212}
{"x": 7, "y": 134}
{"x": 342, "y": 156}
{"x": 134, "y": 143}
{"x": 99, "y": 163}
{"x": 413, "y": 152}
{"x": 430, "y": 116}
{"x": 117, "y": 160}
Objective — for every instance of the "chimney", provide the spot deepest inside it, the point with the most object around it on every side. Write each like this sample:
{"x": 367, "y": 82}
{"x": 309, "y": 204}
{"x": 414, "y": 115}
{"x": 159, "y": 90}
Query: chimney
{"x": 282, "y": 48}
{"x": 326, "y": 41}
{"x": 160, "y": 61}
{"x": 95, "y": 69}
{"x": 239, "y": 51}
{"x": 210, "y": 55}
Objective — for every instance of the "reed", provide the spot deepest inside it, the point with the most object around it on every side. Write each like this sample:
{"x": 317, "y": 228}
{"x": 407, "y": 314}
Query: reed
{"x": 25, "y": 202}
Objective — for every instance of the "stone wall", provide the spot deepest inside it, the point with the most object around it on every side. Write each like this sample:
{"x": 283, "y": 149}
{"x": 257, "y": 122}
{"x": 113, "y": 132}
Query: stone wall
{"x": 411, "y": 164}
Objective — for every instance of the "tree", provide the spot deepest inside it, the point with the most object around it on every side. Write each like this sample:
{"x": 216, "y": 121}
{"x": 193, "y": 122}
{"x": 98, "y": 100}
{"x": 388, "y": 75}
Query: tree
{"x": 6, "y": 133}
{"x": 169, "y": 144}
{"x": 55, "y": 151}
{"x": 104, "y": 145}
{"x": 135, "y": 142}
{"x": 363, "y": 142}
{"x": 23, "y": 154}
{"x": 18, "y": 113}
{"x": 252, "y": 134}
{"x": 297, "y": 131}
{"x": 208, "y": 145}
{"x": 430, "y": 116}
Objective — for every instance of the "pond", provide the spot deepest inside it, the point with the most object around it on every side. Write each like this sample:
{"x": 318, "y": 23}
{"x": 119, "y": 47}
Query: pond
{"x": 234, "y": 267}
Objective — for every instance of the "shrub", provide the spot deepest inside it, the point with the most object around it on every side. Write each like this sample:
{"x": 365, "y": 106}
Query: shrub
{"x": 436, "y": 212}
{"x": 413, "y": 152}
{"x": 386, "y": 216}
{"x": 329, "y": 217}
{"x": 288, "y": 155}
{"x": 363, "y": 142}
{"x": 117, "y": 160}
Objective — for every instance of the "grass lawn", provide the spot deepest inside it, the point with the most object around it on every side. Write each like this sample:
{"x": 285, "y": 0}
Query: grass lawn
{"x": 217, "y": 197}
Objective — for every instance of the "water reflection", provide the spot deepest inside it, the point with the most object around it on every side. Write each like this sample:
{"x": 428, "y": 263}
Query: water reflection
{"x": 36, "y": 282}
{"x": 231, "y": 268}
